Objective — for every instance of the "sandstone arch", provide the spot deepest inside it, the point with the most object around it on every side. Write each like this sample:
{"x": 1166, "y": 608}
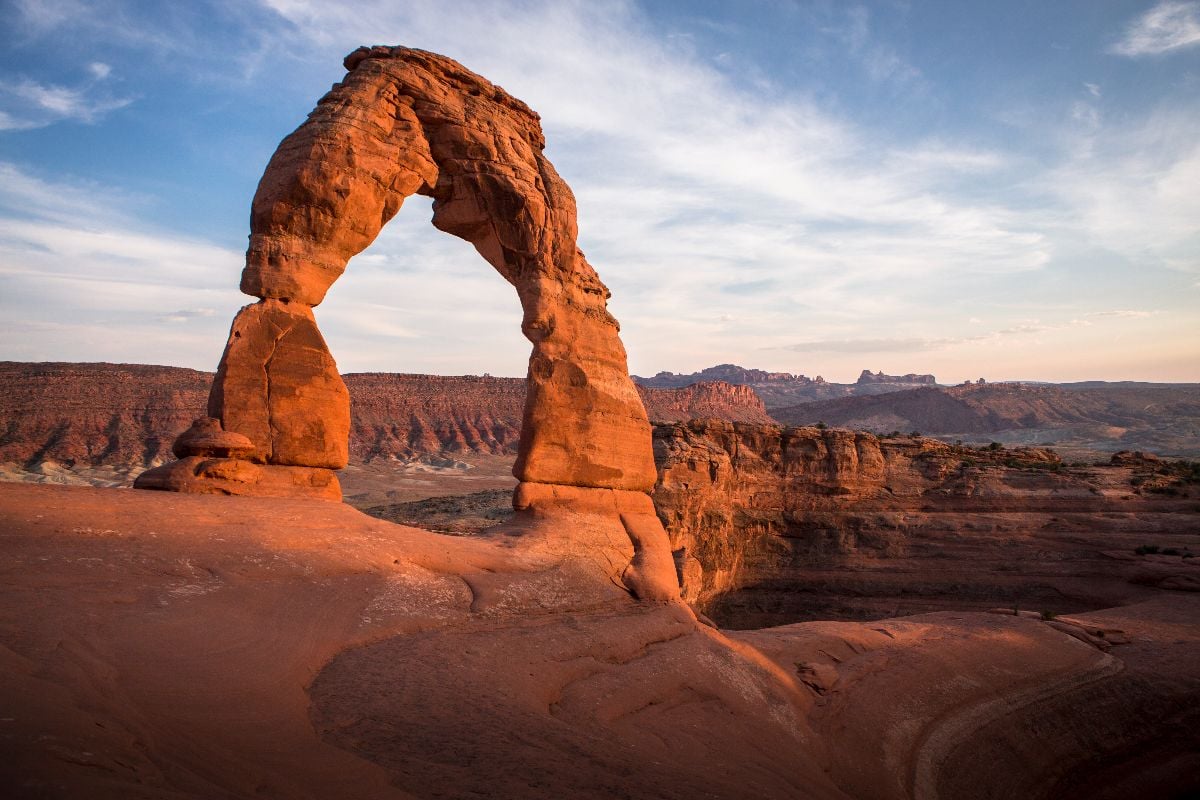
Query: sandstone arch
{"x": 406, "y": 122}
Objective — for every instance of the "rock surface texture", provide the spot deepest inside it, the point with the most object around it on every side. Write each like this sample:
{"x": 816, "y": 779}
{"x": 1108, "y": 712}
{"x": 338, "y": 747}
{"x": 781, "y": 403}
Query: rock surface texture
{"x": 771, "y": 525}
{"x": 404, "y": 122}
{"x": 189, "y": 647}
{"x": 123, "y": 417}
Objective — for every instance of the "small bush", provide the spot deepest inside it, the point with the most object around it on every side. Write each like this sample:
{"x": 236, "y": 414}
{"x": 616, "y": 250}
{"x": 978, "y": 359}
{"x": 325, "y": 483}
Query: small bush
{"x": 1146, "y": 549}
{"x": 1172, "y": 551}
{"x": 1048, "y": 615}
{"x": 994, "y": 446}
{"x": 821, "y": 426}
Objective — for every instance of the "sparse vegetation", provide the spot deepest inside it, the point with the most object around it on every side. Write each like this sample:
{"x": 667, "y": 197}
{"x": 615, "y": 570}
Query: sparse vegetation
{"x": 1048, "y": 615}
{"x": 821, "y": 426}
{"x": 994, "y": 446}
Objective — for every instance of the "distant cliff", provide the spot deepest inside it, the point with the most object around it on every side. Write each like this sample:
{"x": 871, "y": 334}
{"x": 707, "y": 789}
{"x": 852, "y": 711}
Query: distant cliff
{"x": 867, "y": 377}
{"x": 1163, "y": 418}
{"x": 730, "y": 373}
{"x": 127, "y": 415}
{"x": 781, "y": 389}
{"x": 115, "y": 414}
{"x": 772, "y": 525}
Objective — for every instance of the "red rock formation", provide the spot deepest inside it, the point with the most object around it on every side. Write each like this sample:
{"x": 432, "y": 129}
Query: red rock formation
{"x": 772, "y": 524}
{"x": 401, "y": 122}
{"x": 189, "y": 647}
{"x": 1099, "y": 416}
{"x": 126, "y": 416}
{"x": 406, "y": 121}
{"x": 277, "y": 385}
{"x": 123, "y": 415}
{"x": 868, "y": 377}
{"x": 705, "y": 400}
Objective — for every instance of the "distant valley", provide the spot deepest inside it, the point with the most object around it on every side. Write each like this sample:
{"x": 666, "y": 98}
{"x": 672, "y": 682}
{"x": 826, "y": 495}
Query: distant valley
{"x": 1087, "y": 420}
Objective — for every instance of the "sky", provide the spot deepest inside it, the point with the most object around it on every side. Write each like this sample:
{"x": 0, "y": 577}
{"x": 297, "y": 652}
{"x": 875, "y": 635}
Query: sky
{"x": 1002, "y": 190}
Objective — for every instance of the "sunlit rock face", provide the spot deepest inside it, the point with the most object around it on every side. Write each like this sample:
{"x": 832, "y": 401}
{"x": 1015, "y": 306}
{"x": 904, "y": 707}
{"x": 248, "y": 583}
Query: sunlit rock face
{"x": 406, "y": 122}
{"x": 403, "y": 122}
{"x": 772, "y": 524}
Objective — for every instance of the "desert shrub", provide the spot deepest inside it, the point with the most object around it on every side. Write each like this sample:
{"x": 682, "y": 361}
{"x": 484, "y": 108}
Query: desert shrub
{"x": 1048, "y": 615}
{"x": 1172, "y": 551}
{"x": 994, "y": 446}
{"x": 1146, "y": 549}
{"x": 821, "y": 426}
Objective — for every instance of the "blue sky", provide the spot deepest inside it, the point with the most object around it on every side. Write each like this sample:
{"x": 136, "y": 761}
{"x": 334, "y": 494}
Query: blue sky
{"x": 1008, "y": 190}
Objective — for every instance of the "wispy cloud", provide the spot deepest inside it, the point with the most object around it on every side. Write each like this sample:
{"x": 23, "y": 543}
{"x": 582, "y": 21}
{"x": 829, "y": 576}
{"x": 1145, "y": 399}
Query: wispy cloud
{"x": 1167, "y": 27}
{"x": 1125, "y": 313}
{"x": 81, "y": 279}
{"x": 927, "y": 344}
{"x": 28, "y": 104}
{"x": 731, "y": 207}
{"x": 187, "y": 314}
{"x": 880, "y": 60}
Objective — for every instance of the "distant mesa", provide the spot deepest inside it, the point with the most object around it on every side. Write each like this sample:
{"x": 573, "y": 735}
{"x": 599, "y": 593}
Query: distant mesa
{"x": 731, "y": 373}
{"x": 868, "y": 377}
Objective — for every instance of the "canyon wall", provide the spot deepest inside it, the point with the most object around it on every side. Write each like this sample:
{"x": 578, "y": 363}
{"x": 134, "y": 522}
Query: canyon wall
{"x": 123, "y": 415}
{"x": 127, "y": 415}
{"x": 771, "y": 525}
{"x": 1078, "y": 418}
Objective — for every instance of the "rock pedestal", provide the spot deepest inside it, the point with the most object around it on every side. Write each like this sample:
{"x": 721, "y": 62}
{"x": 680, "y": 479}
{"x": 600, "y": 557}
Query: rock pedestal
{"x": 401, "y": 122}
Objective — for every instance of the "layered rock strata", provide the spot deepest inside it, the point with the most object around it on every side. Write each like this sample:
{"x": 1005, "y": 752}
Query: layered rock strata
{"x": 125, "y": 416}
{"x": 772, "y": 525}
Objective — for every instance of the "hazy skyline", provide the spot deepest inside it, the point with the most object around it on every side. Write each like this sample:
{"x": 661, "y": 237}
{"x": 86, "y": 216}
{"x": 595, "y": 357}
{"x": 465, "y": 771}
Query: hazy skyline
{"x": 999, "y": 190}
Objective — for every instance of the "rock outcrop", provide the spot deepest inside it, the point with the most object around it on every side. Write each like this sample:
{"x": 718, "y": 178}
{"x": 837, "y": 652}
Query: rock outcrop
{"x": 402, "y": 122}
{"x": 868, "y": 377}
{"x": 1086, "y": 419}
{"x": 705, "y": 400}
{"x": 120, "y": 415}
{"x": 730, "y": 373}
{"x": 125, "y": 416}
{"x": 188, "y": 647}
{"x": 783, "y": 389}
{"x": 772, "y": 525}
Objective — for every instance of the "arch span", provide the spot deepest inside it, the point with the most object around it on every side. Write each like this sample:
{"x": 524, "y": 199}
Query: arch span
{"x": 406, "y": 122}
{"x": 402, "y": 122}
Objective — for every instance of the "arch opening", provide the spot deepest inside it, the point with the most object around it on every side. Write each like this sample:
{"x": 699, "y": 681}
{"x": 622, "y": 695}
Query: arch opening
{"x": 405, "y": 122}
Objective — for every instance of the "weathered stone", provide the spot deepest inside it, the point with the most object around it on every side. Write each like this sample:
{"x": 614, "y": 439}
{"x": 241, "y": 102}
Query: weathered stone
{"x": 205, "y": 438}
{"x": 650, "y": 573}
{"x": 279, "y": 386}
{"x": 233, "y": 476}
{"x": 405, "y": 121}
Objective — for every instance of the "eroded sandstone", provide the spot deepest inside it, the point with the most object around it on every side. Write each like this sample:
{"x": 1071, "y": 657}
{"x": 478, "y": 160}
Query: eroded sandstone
{"x": 401, "y": 122}
{"x": 406, "y": 121}
{"x": 772, "y": 524}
